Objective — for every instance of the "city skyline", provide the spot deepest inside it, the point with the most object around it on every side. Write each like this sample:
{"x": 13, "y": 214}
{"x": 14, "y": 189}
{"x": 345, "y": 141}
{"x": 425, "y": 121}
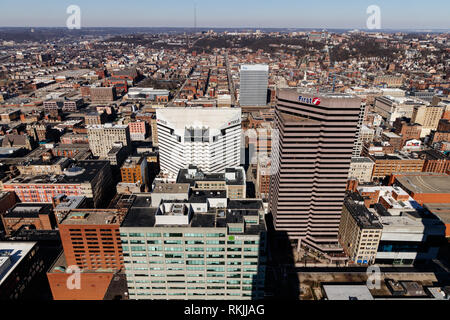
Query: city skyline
{"x": 251, "y": 14}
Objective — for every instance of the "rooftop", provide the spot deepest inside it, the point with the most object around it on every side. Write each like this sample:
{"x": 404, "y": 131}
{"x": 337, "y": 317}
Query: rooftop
{"x": 215, "y": 119}
{"x": 142, "y": 215}
{"x": 361, "y": 160}
{"x": 231, "y": 176}
{"x": 347, "y": 292}
{"x": 255, "y": 67}
{"x": 363, "y": 217}
{"x": 83, "y": 171}
{"x": 94, "y": 217}
{"x": 425, "y": 183}
{"x": 29, "y": 210}
{"x": 11, "y": 254}
{"x": 441, "y": 210}
{"x": 171, "y": 188}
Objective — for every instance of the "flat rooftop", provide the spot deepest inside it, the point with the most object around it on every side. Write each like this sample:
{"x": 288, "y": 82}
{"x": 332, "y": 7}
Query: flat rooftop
{"x": 199, "y": 176}
{"x": 69, "y": 202}
{"x": 142, "y": 215}
{"x": 83, "y": 171}
{"x": 391, "y": 134}
{"x": 254, "y": 67}
{"x": 347, "y": 292}
{"x": 394, "y": 156}
{"x": 11, "y": 254}
{"x": 93, "y": 217}
{"x": 361, "y": 160}
{"x": 441, "y": 210}
{"x": 363, "y": 217}
{"x": 201, "y": 196}
{"x": 434, "y": 155}
{"x": 425, "y": 183}
{"x": 171, "y": 188}
{"x": 60, "y": 266}
{"x": 28, "y": 210}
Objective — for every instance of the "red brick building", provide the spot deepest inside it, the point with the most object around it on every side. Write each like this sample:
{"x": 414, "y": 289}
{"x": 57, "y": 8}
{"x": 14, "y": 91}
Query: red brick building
{"x": 91, "y": 238}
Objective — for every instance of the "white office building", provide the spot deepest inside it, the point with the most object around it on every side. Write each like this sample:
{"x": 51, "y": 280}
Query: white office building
{"x": 209, "y": 138}
{"x": 253, "y": 85}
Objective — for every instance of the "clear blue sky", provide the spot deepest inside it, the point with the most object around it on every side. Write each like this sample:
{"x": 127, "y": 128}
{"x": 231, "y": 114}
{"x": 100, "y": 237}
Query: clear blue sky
{"x": 228, "y": 13}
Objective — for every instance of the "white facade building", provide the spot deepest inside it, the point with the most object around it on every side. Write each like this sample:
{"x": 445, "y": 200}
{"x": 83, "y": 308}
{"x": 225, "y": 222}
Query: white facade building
{"x": 209, "y": 138}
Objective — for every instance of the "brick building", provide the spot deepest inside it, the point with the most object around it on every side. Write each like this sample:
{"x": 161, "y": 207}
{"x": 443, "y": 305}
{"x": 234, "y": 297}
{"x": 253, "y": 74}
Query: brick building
{"x": 435, "y": 161}
{"x": 426, "y": 187}
{"x": 91, "y": 179}
{"x": 40, "y": 216}
{"x": 388, "y": 164}
{"x": 103, "y": 94}
{"x": 91, "y": 238}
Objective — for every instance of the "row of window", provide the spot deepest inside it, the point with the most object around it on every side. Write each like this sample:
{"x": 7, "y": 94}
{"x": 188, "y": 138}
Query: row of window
{"x": 192, "y": 288}
{"x": 230, "y": 242}
{"x": 178, "y": 249}
{"x": 174, "y": 235}
{"x": 189, "y": 294}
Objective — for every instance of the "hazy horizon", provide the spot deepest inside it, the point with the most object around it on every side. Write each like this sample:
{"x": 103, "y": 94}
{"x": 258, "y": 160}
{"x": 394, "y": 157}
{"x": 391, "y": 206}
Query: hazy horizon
{"x": 396, "y": 15}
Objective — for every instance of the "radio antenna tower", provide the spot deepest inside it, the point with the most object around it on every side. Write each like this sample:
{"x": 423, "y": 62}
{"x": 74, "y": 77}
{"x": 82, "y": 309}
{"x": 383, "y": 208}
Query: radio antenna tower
{"x": 195, "y": 17}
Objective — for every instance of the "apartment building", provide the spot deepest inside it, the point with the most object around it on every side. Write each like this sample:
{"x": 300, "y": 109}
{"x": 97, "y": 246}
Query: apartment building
{"x": 359, "y": 231}
{"x": 102, "y": 94}
{"x": 361, "y": 169}
{"x": 40, "y": 216}
{"x": 435, "y": 161}
{"x": 138, "y": 130}
{"x": 135, "y": 169}
{"x": 91, "y": 239}
{"x": 428, "y": 117}
{"x": 102, "y": 138}
{"x": 263, "y": 177}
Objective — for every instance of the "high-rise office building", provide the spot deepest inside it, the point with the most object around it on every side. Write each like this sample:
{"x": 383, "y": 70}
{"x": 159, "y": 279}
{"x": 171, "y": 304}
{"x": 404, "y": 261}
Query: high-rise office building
{"x": 311, "y": 155}
{"x": 209, "y": 138}
{"x": 253, "y": 85}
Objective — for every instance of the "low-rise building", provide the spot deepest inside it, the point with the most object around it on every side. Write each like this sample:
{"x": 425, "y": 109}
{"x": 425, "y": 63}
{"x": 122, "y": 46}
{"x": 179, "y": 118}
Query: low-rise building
{"x": 233, "y": 180}
{"x": 386, "y": 165}
{"x": 426, "y": 187}
{"x": 38, "y": 216}
{"x": 361, "y": 169}
{"x": 91, "y": 179}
